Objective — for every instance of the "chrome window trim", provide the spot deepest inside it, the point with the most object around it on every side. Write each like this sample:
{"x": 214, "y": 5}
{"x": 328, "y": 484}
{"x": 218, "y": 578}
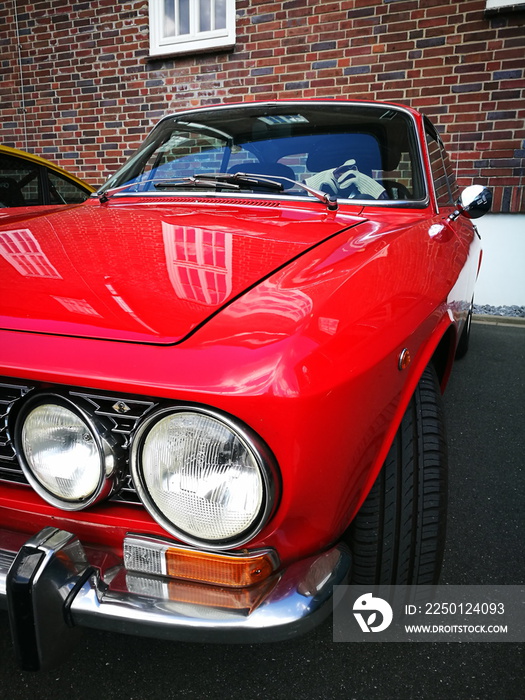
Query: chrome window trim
{"x": 285, "y": 199}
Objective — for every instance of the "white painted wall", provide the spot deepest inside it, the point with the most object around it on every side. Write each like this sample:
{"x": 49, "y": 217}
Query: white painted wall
{"x": 501, "y": 280}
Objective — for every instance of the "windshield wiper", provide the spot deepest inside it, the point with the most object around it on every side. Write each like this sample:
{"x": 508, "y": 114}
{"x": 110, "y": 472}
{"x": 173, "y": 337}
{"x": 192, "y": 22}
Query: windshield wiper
{"x": 160, "y": 183}
{"x": 231, "y": 181}
{"x": 328, "y": 199}
{"x": 216, "y": 180}
{"x": 234, "y": 181}
{"x": 194, "y": 181}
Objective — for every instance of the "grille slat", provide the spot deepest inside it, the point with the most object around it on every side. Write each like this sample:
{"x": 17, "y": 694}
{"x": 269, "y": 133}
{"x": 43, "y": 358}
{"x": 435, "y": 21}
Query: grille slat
{"x": 121, "y": 413}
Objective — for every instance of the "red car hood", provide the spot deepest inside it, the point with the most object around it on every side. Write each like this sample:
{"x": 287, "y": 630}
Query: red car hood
{"x": 146, "y": 272}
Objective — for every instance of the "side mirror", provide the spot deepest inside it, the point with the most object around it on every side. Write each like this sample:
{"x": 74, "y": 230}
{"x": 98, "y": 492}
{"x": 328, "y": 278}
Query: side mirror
{"x": 473, "y": 202}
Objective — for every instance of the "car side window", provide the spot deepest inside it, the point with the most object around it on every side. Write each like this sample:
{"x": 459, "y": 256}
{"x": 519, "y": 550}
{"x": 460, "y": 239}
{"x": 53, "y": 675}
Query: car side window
{"x": 439, "y": 171}
{"x": 63, "y": 191}
{"x": 451, "y": 176}
{"x": 19, "y": 182}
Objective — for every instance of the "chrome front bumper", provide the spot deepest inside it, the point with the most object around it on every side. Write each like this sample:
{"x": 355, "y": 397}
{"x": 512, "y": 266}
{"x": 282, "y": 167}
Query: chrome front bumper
{"x": 52, "y": 586}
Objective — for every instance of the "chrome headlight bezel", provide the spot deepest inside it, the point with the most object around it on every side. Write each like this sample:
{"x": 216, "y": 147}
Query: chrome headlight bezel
{"x": 258, "y": 450}
{"x": 109, "y": 470}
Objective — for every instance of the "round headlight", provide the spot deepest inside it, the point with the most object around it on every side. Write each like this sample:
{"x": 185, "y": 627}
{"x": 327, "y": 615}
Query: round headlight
{"x": 64, "y": 457}
{"x": 202, "y": 478}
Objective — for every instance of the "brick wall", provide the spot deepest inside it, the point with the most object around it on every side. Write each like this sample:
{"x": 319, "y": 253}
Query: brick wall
{"x": 90, "y": 92}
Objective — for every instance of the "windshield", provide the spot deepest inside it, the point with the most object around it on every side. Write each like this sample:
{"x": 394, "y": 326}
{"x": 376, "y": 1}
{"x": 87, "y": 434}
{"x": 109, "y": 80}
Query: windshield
{"x": 348, "y": 151}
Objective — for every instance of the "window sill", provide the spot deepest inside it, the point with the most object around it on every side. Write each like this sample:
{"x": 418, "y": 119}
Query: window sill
{"x": 499, "y": 7}
{"x": 188, "y": 49}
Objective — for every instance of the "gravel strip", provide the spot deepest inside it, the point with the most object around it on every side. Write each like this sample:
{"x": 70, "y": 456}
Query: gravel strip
{"x": 514, "y": 311}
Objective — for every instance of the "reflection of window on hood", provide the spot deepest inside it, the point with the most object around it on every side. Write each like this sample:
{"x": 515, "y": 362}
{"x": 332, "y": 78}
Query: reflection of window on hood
{"x": 199, "y": 263}
{"x": 21, "y": 250}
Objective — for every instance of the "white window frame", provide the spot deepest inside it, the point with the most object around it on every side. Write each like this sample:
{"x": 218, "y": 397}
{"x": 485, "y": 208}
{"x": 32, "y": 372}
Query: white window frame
{"x": 493, "y": 5}
{"x": 195, "y": 41}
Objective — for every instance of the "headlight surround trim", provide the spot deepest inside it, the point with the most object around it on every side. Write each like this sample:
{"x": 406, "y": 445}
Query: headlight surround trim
{"x": 109, "y": 459}
{"x": 250, "y": 440}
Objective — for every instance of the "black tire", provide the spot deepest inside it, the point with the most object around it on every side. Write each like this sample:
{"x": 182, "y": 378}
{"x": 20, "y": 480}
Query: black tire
{"x": 464, "y": 339}
{"x": 398, "y": 536}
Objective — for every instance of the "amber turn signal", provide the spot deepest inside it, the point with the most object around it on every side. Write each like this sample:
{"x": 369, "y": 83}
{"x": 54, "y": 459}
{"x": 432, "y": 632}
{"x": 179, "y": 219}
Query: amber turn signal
{"x": 219, "y": 569}
{"x": 236, "y": 570}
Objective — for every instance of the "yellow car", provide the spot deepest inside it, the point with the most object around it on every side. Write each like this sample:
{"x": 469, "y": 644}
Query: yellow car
{"x": 27, "y": 180}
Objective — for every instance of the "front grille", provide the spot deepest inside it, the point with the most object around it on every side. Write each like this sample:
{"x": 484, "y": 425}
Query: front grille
{"x": 122, "y": 413}
{"x": 10, "y": 394}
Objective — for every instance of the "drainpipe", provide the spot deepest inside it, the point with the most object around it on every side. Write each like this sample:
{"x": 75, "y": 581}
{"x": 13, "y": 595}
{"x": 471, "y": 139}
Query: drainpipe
{"x": 22, "y": 109}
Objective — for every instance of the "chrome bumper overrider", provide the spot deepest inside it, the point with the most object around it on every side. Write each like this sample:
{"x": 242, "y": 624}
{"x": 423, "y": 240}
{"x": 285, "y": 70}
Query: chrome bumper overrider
{"x": 51, "y": 587}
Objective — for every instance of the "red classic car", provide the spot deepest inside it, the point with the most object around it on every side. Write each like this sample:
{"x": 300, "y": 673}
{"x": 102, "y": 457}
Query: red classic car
{"x": 221, "y": 376}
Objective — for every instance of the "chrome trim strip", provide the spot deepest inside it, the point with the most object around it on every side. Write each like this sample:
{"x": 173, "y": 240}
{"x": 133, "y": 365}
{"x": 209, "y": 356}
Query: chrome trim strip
{"x": 284, "y": 199}
{"x": 289, "y": 103}
{"x": 6, "y": 560}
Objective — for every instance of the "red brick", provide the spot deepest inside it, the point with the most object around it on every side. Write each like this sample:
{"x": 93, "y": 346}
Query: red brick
{"x": 98, "y": 55}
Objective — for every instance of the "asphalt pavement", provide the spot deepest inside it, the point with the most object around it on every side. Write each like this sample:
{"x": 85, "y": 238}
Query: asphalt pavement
{"x": 486, "y": 427}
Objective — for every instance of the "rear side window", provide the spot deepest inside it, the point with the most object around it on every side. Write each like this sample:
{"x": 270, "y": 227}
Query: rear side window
{"x": 19, "y": 182}
{"x": 27, "y": 184}
{"x": 451, "y": 177}
{"x": 439, "y": 174}
{"x": 64, "y": 191}
{"x": 445, "y": 184}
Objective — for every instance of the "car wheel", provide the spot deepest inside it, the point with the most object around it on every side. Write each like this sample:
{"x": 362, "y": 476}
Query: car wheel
{"x": 398, "y": 536}
{"x": 464, "y": 339}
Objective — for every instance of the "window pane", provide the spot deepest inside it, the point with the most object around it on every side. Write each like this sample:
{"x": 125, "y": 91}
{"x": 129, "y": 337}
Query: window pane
{"x": 184, "y": 16}
{"x": 438, "y": 173}
{"x": 220, "y": 14}
{"x": 451, "y": 176}
{"x": 169, "y": 26}
{"x": 31, "y": 190}
{"x": 204, "y": 15}
{"x": 64, "y": 191}
{"x": 19, "y": 182}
